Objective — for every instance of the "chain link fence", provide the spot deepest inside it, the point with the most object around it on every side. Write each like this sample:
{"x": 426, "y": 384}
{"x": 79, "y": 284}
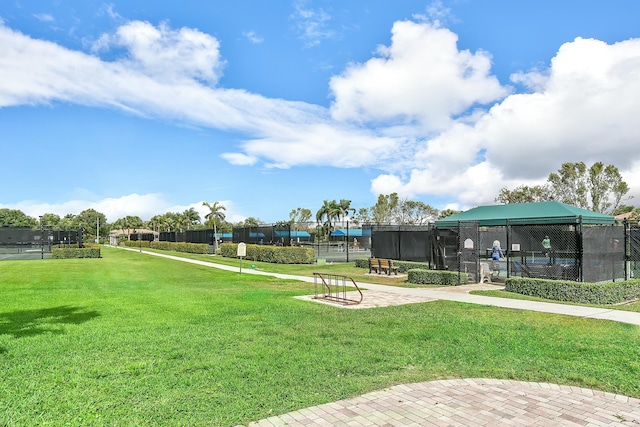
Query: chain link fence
{"x": 632, "y": 248}
{"x": 564, "y": 251}
{"x": 30, "y": 244}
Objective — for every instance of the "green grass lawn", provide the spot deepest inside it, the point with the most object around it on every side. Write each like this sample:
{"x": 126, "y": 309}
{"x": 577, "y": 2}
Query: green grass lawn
{"x": 132, "y": 339}
{"x": 344, "y": 268}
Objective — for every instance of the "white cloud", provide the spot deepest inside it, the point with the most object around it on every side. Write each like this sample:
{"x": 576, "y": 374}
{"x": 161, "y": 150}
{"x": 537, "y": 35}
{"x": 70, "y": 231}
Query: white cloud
{"x": 165, "y": 53}
{"x": 109, "y": 10}
{"x": 421, "y": 78}
{"x": 253, "y": 37}
{"x": 311, "y": 23}
{"x": 585, "y": 110}
{"x": 430, "y": 116}
{"x": 239, "y": 159}
{"x": 44, "y": 17}
{"x": 143, "y": 205}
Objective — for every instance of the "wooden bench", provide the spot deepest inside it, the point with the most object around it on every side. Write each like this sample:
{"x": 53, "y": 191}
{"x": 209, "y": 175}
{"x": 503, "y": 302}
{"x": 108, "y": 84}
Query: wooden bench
{"x": 387, "y": 266}
{"x": 374, "y": 265}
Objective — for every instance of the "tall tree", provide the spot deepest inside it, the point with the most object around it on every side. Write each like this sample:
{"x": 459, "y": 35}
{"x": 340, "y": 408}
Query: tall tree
{"x": 344, "y": 209}
{"x": 411, "y": 212}
{"x": 50, "y": 220}
{"x": 68, "y": 222}
{"x": 382, "y": 211}
{"x": 16, "y": 218}
{"x": 326, "y": 215}
{"x": 192, "y": 217}
{"x": 300, "y": 218}
{"x": 363, "y": 216}
{"x": 599, "y": 188}
{"x": 129, "y": 222}
{"x": 215, "y": 215}
{"x": 447, "y": 213}
{"x": 90, "y": 220}
{"x": 524, "y": 194}
{"x": 250, "y": 222}
{"x": 606, "y": 187}
{"x": 155, "y": 223}
{"x": 569, "y": 184}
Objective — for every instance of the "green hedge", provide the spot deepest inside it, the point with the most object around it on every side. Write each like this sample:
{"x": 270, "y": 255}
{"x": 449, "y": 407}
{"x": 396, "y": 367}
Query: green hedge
{"x": 362, "y": 263}
{"x": 70, "y": 252}
{"x": 273, "y": 254}
{"x": 577, "y": 292}
{"x": 403, "y": 266}
{"x": 192, "y": 248}
{"x": 421, "y": 276}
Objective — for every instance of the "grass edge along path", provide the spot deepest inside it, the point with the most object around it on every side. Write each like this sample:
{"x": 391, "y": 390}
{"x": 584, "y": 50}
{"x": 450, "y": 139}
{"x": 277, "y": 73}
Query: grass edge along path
{"x": 633, "y": 306}
{"x": 139, "y": 340}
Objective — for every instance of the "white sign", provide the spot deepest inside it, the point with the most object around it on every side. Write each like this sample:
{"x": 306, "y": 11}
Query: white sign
{"x": 468, "y": 244}
{"x": 242, "y": 249}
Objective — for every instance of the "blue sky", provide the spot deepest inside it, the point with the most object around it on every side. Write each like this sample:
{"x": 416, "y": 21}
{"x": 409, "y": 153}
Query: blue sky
{"x": 139, "y": 108}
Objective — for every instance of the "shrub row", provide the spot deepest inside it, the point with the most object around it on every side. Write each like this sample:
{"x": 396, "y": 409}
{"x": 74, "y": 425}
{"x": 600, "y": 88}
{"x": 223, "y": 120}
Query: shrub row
{"x": 421, "y": 276}
{"x": 577, "y": 292}
{"x": 89, "y": 251}
{"x": 273, "y": 254}
{"x": 192, "y": 248}
{"x": 362, "y": 263}
{"x": 403, "y": 266}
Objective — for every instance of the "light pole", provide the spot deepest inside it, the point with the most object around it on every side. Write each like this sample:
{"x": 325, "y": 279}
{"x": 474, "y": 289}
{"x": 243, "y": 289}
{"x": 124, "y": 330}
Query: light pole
{"x": 41, "y": 238}
{"x": 347, "y": 219}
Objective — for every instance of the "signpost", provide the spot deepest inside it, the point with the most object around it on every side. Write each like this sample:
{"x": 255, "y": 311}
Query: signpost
{"x": 242, "y": 252}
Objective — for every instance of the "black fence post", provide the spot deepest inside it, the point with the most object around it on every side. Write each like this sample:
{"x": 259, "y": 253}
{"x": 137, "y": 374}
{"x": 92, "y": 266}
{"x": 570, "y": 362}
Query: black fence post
{"x": 580, "y": 242}
{"x": 627, "y": 249}
{"x": 508, "y": 246}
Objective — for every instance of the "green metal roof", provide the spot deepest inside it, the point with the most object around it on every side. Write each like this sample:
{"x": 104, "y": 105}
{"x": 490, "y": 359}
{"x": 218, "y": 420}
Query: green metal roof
{"x": 527, "y": 213}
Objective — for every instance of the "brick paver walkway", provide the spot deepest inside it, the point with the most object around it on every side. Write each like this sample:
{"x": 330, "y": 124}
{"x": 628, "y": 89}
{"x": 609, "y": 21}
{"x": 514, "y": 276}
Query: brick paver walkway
{"x": 469, "y": 402}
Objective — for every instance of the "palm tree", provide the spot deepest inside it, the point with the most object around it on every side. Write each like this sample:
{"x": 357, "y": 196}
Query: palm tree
{"x": 155, "y": 223}
{"x": 344, "y": 209}
{"x": 192, "y": 217}
{"x": 215, "y": 214}
{"x": 329, "y": 210}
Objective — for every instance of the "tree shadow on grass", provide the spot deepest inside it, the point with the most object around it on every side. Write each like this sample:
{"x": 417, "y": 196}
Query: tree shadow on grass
{"x": 26, "y": 323}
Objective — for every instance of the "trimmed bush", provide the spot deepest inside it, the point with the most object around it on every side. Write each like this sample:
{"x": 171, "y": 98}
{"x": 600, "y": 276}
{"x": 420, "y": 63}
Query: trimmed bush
{"x": 273, "y": 254}
{"x": 405, "y": 266}
{"x": 362, "y": 263}
{"x": 576, "y": 292}
{"x": 420, "y": 276}
{"x": 191, "y": 248}
{"x": 89, "y": 251}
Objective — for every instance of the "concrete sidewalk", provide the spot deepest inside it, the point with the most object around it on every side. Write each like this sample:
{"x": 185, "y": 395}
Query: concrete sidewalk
{"x": 448, "y": 294}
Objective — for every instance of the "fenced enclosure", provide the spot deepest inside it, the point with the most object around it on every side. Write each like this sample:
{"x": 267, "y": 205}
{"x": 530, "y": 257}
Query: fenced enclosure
{"x": 30, "y": 244}
{"x": 401, "y": 242}
{"x": 569, "y": 251}
{"x": 342, "y": 244}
